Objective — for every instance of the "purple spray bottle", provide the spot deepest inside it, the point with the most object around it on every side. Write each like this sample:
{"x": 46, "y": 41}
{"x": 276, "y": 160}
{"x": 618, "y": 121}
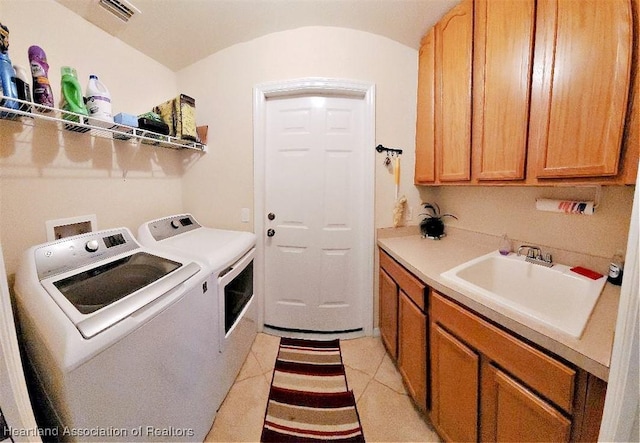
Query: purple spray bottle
{"x": 42, "y": 93}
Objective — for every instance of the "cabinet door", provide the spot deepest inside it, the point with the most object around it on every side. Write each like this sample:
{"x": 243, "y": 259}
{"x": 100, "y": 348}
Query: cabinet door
{"x": 503, "y": 51}
{"x": 425, "y": 124}
{"x": 454, "y": 387}
{"x": 580, "y": 87}
{"x": 552, "y": 378}
{"x": 412, "y": 349}
{"x": 389, "y": 313}
{"x": 511, "y": 412}
{"x": 454, "y": 44}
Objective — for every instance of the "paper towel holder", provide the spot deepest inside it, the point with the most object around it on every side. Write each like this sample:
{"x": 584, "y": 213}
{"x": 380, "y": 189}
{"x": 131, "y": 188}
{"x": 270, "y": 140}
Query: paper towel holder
{"x": 569, "y": 206}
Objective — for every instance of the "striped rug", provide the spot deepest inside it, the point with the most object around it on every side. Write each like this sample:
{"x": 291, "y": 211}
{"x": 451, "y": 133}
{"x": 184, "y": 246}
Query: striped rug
{"x": 309, "y": 400}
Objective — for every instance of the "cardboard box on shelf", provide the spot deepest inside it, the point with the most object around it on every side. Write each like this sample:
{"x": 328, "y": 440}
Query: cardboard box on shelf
{"x": 180, "y": 114}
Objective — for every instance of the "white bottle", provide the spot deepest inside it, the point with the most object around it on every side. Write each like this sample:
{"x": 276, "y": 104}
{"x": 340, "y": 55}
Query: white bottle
{"x": 98, "y": 103}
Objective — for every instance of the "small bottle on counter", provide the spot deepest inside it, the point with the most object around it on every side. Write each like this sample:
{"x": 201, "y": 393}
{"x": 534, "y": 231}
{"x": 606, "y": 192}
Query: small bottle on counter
{"x": 505, "y": 245}
{"x": 616, "y": 268}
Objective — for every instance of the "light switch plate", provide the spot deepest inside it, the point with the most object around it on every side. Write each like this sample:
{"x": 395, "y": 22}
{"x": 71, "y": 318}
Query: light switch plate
{"x": 244, "y": 215}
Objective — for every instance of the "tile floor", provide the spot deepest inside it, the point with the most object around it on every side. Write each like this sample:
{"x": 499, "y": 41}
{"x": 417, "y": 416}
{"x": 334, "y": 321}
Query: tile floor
{"x": 386, "y": 412}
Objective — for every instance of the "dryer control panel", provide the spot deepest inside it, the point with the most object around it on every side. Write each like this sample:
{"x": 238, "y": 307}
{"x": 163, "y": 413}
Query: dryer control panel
{"x": 170, "y": 227}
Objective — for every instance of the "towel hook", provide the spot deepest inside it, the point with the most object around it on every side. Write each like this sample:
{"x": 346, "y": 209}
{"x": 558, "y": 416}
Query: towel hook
{"x": 392, "y": 151}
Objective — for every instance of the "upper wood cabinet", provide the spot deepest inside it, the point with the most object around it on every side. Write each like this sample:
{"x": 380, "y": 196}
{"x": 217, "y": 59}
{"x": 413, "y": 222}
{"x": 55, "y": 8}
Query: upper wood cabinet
{"x": 453, "y": 50}
{"x": 503, "y": 53}
{"x": 580, "y": 87}
{"x": 425, "y": 119}
{"x": 529, "y": 92}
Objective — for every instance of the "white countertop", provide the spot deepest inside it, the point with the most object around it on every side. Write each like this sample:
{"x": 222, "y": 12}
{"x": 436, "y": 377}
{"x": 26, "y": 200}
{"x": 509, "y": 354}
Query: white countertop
{"x": 427, "y": 259}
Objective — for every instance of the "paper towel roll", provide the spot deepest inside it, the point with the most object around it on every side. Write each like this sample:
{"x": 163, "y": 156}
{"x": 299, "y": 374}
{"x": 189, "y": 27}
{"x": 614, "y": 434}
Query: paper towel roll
{"x": 565, "y": 206}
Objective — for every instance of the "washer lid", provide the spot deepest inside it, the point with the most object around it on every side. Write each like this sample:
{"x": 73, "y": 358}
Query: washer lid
{"x": 95, "y": 299}
{"x": 98, "y": 287}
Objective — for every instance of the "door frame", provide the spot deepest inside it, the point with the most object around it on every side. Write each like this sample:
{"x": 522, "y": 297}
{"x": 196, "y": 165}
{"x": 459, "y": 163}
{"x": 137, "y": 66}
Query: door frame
{"x": 14, "y": 398}
{"x": 322, "y": 86}
{"x": 620, "y": 415}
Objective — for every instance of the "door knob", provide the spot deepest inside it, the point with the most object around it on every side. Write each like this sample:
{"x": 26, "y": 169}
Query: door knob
{"x": 271, "y": 216}
{"x": 271, "y": 232}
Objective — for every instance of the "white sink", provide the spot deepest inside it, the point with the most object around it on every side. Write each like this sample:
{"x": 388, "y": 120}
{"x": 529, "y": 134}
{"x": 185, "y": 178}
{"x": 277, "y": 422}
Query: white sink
{"x": 556, "y": 296}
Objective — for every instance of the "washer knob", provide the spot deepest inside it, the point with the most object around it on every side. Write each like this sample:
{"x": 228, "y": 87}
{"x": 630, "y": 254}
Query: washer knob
{"x": 175, "y": 224}
{"x": 92, "y": 246}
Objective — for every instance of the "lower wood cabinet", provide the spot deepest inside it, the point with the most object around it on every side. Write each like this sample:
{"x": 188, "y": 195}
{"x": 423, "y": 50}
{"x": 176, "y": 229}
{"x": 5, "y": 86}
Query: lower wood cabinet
{"x": 454, "y": 386}
{"x": 412, "y": 349}
{"x": 403, "y": 325}
{"x": 489, "y": 385}
{"x": 476, "y": 380}
{"x": 388, "y": 321}
{"x": 512, "y": 412}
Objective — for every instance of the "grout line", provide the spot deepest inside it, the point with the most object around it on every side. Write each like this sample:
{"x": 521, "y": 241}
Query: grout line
{"x": 405, "y": 392}
{"x": 371, "y": 377}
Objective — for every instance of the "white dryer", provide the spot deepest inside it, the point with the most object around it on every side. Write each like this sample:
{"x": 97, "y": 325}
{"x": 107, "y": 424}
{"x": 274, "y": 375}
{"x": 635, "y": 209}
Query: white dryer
{"x": 117, "y": 338}
{"x": 229, "y": 256}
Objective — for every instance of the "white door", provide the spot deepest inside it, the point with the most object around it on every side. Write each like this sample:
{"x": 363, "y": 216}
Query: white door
{"x": 314, "y": 189}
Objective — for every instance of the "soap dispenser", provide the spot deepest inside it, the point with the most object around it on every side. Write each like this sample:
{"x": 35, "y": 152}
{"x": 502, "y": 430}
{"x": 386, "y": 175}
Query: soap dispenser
{"x": 505, "y": 245}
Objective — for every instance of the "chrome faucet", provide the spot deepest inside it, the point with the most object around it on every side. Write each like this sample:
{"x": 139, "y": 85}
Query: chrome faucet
{"x": 535, "y": 256}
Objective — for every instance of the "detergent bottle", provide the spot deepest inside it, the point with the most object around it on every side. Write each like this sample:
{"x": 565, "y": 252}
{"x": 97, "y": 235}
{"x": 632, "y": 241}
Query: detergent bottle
{"x": 99, "y": 103}
{"x": 72, "y": 99}
{"x": 22, "y": 85}
{"x": 42, "y": 93}
{"x": 7, "y": 74}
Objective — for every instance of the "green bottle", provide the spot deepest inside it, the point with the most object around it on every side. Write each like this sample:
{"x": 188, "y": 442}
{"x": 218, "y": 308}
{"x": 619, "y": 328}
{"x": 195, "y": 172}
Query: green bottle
{"x": 72, "y": 99}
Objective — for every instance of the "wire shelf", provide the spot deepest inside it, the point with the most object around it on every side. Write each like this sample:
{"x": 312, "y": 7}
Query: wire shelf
{"x": 30, "y": 114}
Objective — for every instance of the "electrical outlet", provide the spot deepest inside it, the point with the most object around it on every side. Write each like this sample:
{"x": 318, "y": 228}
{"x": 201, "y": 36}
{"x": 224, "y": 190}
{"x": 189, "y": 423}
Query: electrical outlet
{"x": 409, "y": 213}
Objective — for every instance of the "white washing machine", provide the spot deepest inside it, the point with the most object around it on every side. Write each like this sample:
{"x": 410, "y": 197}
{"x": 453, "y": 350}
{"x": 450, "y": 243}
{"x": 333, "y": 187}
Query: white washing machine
{"x": 118, "y": 339}
{"x": 229, "y": 256}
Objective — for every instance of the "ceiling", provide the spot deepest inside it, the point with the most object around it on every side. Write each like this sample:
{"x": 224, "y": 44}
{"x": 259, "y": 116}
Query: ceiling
{"x": 178, "y": 33}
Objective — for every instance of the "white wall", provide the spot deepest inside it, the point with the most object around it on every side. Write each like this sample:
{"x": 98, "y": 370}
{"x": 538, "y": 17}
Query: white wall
{"x": 221, "y": 184}
{"x": 47, "y": 174}
{"x": 511, "y": 210}
{"x": 50, "y": 174}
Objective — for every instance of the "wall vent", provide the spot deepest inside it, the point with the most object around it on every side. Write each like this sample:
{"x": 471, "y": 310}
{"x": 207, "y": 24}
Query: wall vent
{"x": 120, "y": 8}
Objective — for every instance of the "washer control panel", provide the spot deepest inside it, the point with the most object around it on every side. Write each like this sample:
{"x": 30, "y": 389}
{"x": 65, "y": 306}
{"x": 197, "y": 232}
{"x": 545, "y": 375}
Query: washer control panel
{"x": 75, "y": 252}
